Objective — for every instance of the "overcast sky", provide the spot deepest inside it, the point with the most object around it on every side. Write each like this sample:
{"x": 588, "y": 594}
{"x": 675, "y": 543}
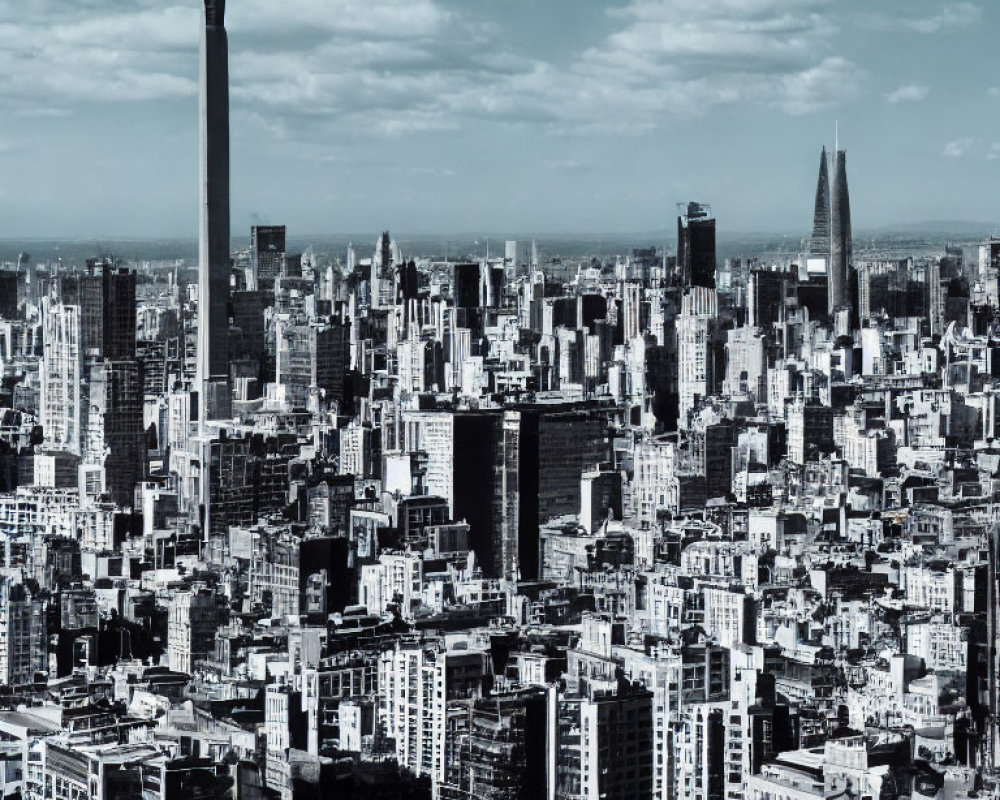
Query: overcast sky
{"x": 499, "y": 115}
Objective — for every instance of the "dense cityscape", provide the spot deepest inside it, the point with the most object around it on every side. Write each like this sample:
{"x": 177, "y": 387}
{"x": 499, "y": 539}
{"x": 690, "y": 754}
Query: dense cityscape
{"x": 371, "y": 524}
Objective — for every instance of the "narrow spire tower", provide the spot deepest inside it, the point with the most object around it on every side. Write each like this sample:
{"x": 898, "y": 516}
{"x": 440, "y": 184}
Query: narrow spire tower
{"x": 841, "y": 248}
{"x": 213, "y": 234}
{"x": 819, "y": 244}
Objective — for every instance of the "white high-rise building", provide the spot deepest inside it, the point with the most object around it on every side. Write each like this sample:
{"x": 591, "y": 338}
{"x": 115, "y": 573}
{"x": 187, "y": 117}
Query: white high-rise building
{"x": 193, "y": 618}
{"x": 433, "y": 433}
{"x": 23, "y": 640}
{"x": 417, "y": 684}
{"x": 698, "y": 308}
{"x": 510, "y": 256}
{"x": 632, "y": 309}
{"x": 62, "y": 371}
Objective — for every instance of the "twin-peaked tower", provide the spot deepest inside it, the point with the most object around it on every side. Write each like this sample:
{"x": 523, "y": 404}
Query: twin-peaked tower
{"x": 213, "y": 234}
{"x": 831, "y": 236}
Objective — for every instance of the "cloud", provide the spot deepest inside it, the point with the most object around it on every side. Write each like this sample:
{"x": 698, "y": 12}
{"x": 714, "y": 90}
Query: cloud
{"x": 671, "y": 60}
{"x": 957, "y": 148}
{"x": 55, "y": 53}
{"x": 994, "y": 152}
{"x": 947, "y": 17}
{"x": 907, "y": 94}
{"x": 567, "y": 165}
{"x": 323, "y": 69}
{"x": 431, "y": 172}
{"x": 993, "y": 91}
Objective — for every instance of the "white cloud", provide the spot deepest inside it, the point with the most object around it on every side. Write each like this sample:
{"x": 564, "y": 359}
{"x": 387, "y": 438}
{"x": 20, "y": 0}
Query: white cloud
{"x": 957, "y": 148}
{"x": 993, "y": 91}
{"x": 993, "y": 153}
{"x": 907, "y": 94}
{"x": 431, "y": 172}
{"x": 948, "y": 17}
{"x": 355, "y": 68}
{"x": 566, "y": 165}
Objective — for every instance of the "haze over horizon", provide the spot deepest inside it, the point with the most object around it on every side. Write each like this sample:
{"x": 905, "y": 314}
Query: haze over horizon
{"x": 436, "y": 115}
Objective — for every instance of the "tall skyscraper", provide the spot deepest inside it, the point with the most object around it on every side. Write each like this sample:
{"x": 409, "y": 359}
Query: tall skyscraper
{"x": 124, "y": 436}
{"x": 214, "y": 239}
{"x": 695, "y": 368}
{"x": 696, "y": 245}
{"x": 819, "y": 243}
{"x": 62, "y": 368}
{"x": 9, "y": 281}
{"x": 118, "y": 319}
{"x": 841, "y": 251}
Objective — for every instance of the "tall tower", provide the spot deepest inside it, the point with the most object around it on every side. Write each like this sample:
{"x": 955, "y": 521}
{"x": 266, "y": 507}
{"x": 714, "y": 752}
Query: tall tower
{"x": 213, "y": 234}
{"x": 61, "y": 373}
{"x": 819, "y": 244}
{"x": 841, "y": 250}
{"x": 696, "y": 244}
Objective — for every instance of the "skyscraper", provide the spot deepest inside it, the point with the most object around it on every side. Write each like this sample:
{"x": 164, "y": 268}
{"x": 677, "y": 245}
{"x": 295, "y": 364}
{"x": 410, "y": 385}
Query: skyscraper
{"x": 214, "y": 240}
{"x": 62, "y": 367}
{"x": 696, "y": 245}
{"x": 841, "y": 251}
{"x": 124, "y": 436}
{"x": 267, "y": 254}
{"x": 118, "y": 318}
{"x": 819, "y": 243}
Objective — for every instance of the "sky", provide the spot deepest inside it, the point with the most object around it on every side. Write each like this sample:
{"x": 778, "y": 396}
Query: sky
{"x": 500, "y": 116}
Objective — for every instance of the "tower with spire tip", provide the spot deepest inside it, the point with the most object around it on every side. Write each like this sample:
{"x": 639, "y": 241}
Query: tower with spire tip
{"x": 830, "y": 243}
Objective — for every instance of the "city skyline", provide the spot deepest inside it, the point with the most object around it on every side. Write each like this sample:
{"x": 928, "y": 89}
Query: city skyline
{"x": 644, "y": 518}
{"x": 445, "y": 117}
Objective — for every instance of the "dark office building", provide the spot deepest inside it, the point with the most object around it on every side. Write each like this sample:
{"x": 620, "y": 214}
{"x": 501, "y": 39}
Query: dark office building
{"x": 124, "y": 436}
{"x": 267, "y": 254}
{"x": 766, "y": 295}
{"x": 500, "y": 751}
{"x": 467, "y": 286}
{"x": 592, "y": 307}
{"x": 476, "y": 487}
{"x": 620, "y": 729}
{"x": 248, "y": 325}
{"x": 719, "y": 441}
{"x": 293, "y": 265}
{"x": 495, "y": 288}
{"x": 86, "y": 291}
{"x": 106, "y": 297}
{"x": 118, "y": 324}
{"x": 8, "y": 294}
{"x": 331, "y": 355}
{"x": 814, "y": 296}
{"x": 325, "y": 579}
{"x": 696, "y": 245}
{"x": 415, "y": 515}
{"x": 545, "y": 451}
{"x": 231, "y": 484}
{"x": 564, "y": 312}
{"x": 817, "y": 426}
{"x": 407, "y": 281}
